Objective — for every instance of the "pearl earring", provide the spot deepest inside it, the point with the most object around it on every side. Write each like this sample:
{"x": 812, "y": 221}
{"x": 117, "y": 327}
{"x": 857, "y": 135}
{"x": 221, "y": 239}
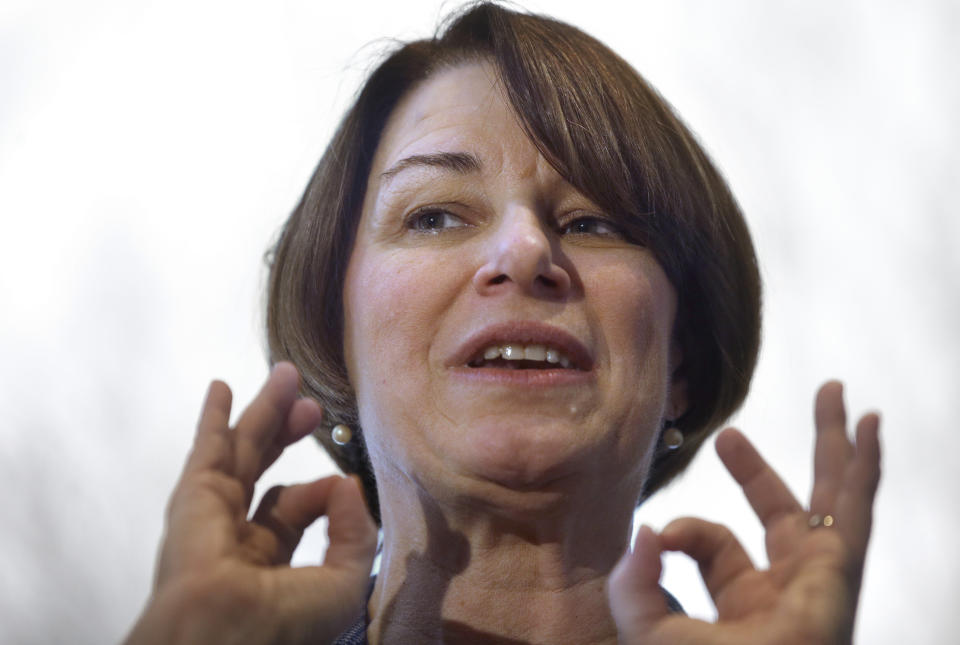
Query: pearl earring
{"x": 341, "y": 434}
{"x": 672, "y": 438}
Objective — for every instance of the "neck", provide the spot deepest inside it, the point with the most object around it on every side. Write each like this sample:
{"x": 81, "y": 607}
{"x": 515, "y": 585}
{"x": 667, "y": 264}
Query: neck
{"x": 452, "y": 573}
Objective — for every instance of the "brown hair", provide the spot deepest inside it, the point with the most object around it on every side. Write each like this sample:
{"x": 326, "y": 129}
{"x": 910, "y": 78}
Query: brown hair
{"x": 609, "y": 134}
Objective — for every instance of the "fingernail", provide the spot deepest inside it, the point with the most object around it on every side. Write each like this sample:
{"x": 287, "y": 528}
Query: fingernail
{"x": 643, "y": 534}
{"x": 359, "y": 484}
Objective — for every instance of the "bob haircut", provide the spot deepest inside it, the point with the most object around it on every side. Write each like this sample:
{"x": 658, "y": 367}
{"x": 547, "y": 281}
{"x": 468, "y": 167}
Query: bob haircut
{"x": 610, "y": 135}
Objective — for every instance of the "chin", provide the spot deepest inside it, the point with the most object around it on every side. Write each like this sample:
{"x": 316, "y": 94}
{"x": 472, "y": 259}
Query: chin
{"x": 528, "y": 455}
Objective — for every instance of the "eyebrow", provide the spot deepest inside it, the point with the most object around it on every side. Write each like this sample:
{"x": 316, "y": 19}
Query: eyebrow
{"x": 461, "y": 162}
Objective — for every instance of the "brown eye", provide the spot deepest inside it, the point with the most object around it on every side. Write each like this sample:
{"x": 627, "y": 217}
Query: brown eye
{"x": 434, "y": 220}
{"x": 591, "y": 226}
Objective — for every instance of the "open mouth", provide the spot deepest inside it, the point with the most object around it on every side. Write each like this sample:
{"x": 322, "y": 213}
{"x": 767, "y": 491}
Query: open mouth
{"x": 520, "y": 356}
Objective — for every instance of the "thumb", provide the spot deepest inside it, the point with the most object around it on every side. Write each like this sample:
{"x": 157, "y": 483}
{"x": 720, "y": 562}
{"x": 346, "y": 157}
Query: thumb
{"x": 352, "y": 533}
{"x": 636, "y": 600}
{"x": 328, "y": 598}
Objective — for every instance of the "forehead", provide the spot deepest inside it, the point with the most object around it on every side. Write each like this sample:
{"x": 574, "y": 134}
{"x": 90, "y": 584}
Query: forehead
{"x": 456, "y": 108}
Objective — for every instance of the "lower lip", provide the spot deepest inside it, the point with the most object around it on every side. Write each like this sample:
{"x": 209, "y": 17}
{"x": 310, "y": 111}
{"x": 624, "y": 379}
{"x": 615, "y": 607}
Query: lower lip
{"x": 521, "y": 378}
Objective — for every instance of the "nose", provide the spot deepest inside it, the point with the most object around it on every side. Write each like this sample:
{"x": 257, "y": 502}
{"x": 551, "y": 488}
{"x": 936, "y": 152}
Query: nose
{"x": 519, "y": 255}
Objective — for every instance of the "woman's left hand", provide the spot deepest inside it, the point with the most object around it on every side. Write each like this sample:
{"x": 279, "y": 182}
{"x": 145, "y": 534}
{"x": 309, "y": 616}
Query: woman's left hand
{"x": 809, "y": 593}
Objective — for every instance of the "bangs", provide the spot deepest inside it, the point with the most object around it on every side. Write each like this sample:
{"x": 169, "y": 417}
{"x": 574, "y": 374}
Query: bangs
{"x": 596, "y": 121}
{"x": 607, "y": 133}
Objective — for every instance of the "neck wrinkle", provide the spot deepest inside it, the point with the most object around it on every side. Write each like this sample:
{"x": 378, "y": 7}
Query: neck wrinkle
{"x": 442, "y": 584}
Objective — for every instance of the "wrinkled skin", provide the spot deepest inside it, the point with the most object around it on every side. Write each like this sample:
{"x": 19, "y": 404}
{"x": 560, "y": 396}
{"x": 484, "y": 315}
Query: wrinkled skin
{"x": 809, "y": 593}
{"x": 223, "y": 578}
{"x": 476, "y": 451}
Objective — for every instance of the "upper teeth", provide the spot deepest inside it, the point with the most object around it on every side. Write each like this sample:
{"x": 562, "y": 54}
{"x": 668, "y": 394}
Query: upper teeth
{"x": 519, "y": 352}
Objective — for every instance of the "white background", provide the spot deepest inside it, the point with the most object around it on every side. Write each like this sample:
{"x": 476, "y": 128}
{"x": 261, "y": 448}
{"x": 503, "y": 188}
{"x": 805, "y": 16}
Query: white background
{"x": 150, "y": 151}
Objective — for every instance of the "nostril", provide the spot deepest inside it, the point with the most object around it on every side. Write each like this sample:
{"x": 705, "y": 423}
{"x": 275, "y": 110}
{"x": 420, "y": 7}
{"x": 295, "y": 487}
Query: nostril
{"x": 547, "y": 282}
{"x": 534, "y": 273}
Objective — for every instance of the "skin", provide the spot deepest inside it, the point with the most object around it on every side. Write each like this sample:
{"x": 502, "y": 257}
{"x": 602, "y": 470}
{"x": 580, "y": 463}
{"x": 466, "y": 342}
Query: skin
{"x": 223, "y": 578}
{"x": 497, "y": 495}
{"x": 518, "y": 473}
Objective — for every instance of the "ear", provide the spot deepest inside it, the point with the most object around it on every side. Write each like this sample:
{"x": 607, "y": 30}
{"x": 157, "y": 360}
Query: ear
{"x": 677, "y": 401}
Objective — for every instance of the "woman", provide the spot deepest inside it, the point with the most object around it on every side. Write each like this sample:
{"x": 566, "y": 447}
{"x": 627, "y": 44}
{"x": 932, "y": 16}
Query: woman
{"x": 523, "y": 297}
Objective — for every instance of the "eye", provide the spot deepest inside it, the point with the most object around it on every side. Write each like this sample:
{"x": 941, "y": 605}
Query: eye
{"x": 433, "y": 220}
{"x": 591, "y": 226}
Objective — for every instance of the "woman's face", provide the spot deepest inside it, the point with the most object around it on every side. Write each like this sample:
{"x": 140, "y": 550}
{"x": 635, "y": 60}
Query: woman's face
{"x": 472, "y": 252}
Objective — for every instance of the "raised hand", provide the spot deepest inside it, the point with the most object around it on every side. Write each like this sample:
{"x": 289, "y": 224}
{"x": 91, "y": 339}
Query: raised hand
{"x": 809, "y": 593}
{"x": 224, "y": 578}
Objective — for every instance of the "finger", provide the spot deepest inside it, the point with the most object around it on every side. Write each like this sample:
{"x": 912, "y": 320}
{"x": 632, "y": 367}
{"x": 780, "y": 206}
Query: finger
{"x": 765, "y": 491}
{"x": 201, "y": 521}
{"x": 261, "y": 421}
{"x": 855, "y": 502}
{"x": 304, "y": 417}
{"x": 288, "y": 510}
{"x": 212, "y": 445}
{"x": 718, "y": 553}
{"x": 352, "y": 533}
{"x": 833, "y": 448}
{"x": 636, "y": 599}
{"x": 331, "y": 596}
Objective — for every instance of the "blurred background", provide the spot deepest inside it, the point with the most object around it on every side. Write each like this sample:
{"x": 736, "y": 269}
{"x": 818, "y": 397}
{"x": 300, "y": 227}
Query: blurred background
{"x": 150, "y": 151}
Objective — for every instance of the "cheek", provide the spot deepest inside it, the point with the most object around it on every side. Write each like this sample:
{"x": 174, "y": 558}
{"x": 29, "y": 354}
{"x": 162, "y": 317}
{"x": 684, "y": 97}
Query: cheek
{"x": 394, "y": 302}
{"x": 377, "y": 312}
{"x": 636, "y": 307}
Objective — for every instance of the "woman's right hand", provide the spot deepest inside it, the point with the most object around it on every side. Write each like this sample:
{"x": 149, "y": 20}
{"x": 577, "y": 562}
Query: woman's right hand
{"x": 224, "y": 578}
